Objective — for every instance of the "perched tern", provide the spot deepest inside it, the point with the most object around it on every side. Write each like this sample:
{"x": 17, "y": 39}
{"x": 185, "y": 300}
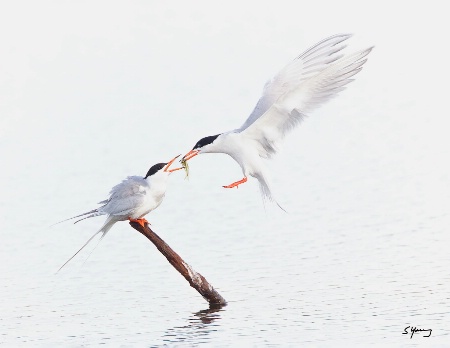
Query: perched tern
{"x": 132, "y": 199}
{"x": 314, "y": 77}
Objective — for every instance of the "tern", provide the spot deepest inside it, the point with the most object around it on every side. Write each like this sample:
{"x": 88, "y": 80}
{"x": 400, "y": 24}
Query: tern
{"x": 310, "y": 80}
{"x": 132, "y": 199}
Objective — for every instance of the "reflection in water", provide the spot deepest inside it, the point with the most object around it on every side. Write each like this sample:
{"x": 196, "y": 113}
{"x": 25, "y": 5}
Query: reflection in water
{"x": 198, "y": 328}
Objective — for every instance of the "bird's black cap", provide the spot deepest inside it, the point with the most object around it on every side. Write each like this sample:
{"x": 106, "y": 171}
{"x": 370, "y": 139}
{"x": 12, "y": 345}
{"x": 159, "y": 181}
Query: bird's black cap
{"x": 153, "y": 169}
{"x": 205, "y": 141}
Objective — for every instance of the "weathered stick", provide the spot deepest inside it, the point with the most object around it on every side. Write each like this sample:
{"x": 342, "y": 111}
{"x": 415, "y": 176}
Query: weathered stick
{"x": 196, "y": 280}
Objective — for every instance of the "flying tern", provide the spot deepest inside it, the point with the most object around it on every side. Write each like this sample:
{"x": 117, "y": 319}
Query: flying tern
{"x": 132, "y": 199}
{"x": 310, "y": 80}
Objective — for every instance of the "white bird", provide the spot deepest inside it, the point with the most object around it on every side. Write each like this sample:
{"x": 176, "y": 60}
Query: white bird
{"x": 310, "y": 80}
{"x": 132, "y": 199}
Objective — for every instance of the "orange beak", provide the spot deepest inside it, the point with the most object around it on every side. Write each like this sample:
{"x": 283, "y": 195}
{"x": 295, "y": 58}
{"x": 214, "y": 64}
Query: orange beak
{"x": 166, "y": 169}
{"x": 190, "y": 154}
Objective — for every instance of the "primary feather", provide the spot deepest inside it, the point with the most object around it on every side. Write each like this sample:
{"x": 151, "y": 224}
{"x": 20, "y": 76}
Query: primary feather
{"x": 313, "y": 78}
{"x": 307, "y": 64}
{"x": 292, "y": 106}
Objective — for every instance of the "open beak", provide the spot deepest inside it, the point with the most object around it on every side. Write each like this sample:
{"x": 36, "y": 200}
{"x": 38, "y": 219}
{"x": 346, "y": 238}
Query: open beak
{"x": 166, "y": 168}
{"x": 189, "y": 155}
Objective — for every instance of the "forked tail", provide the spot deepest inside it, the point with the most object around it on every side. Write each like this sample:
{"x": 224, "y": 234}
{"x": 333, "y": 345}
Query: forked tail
{"x": 266, "y": 191}
{"x": 110, "y": 221}
{"x": 92, "y": 213}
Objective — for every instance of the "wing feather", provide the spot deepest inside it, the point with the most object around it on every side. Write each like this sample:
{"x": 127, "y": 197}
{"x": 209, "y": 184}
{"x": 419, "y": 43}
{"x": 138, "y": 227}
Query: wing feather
{"x": 290, "y": 108}
{"x": 307, "y": 64}
{"x": 126, "y": 196}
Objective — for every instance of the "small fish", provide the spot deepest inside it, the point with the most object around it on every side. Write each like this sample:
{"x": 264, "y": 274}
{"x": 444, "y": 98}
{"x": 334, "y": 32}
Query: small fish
{"x": 185, "y": 166}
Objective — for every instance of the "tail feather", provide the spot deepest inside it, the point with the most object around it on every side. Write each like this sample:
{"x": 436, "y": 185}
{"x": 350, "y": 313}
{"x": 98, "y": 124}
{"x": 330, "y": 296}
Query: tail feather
{"x": 94, "y": 212}
{"x": 97, "y": 213}
{"x": 266, "y": 192}
{"x": 110, "y": 221}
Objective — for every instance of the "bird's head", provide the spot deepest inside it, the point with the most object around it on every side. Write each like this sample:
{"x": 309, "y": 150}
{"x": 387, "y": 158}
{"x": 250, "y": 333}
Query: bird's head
{"x": 204, "y": 145}
{"x": 162, "y": 168}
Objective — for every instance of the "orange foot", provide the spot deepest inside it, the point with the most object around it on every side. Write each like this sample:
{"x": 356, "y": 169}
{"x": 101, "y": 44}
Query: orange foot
{"x": 141, "y": 221}
{"x": 237, "y": 183}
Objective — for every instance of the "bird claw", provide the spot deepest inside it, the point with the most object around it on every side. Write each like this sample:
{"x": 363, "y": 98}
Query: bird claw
{"x": 141, "y": 221}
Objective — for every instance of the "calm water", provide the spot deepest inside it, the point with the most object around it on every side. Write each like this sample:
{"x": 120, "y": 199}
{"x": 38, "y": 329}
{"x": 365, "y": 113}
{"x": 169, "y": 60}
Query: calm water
{"x": 361, "y": 254}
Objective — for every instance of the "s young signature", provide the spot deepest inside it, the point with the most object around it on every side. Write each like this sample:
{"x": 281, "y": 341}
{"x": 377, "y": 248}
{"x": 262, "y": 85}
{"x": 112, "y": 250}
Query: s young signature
{"x": 413, "y": 330}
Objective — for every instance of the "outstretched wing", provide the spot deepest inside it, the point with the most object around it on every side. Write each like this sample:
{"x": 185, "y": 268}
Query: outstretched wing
{"x": 310, "y": 93}
{"x": 309, "y": 63}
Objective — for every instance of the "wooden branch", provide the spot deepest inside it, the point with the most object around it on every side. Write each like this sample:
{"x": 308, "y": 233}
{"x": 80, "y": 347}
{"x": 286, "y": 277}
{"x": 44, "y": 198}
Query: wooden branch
{"x": 196, "y": 280}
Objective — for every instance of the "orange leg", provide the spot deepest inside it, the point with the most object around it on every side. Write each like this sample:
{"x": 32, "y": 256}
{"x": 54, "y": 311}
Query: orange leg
{"x": 141, "y": 221}
{"x": 237, "y": 183}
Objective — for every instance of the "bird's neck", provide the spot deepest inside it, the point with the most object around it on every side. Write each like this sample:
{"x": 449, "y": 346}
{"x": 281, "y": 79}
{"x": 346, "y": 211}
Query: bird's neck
{"x": 158, "y": 181}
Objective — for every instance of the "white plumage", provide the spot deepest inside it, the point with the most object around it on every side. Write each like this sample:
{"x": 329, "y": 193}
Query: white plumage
{"x": 310, "y": 80}
{"x": 132, "y": 199}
